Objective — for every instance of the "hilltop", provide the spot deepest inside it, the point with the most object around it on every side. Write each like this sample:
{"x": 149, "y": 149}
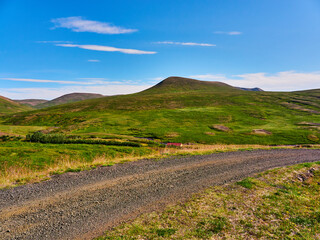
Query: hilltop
{"x": 31, "y": 102}
{"x": 8, "y": 106}
{"x": 180, "y": 84}
{"x": 68, "y": 98}
{"x": 187, "y": 110}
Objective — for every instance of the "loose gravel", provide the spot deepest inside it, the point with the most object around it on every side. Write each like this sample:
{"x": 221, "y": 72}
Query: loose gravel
{"x": 83, "y": 205}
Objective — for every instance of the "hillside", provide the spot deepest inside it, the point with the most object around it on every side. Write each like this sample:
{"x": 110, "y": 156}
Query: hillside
{"x": 68, "y": 98}
{"x": 179, "y": 84}
{"x": 31, "y": 102}
{"x": 9, "y": 106}
{"x": 188, "y": 110}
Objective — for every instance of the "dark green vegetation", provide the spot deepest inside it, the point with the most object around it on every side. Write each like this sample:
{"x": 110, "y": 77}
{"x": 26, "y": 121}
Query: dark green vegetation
{"x": 185, "y": 110}
{"x": 282, "y": 203}
{"x": 8, "y": 106}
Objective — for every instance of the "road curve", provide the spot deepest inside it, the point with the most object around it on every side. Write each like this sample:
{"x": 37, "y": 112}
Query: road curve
{"x": 83, "y": 205}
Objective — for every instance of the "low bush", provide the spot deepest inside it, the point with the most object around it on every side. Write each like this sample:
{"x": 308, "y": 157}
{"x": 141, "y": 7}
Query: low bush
{"x": 63, "y": 139}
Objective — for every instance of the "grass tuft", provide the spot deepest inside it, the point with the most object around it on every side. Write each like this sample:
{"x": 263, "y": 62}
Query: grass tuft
{"x": 246, "y": 183}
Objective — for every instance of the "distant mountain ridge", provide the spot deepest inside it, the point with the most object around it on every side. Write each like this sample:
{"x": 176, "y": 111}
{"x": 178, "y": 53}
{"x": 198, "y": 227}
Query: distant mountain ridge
{"x": 31, "y": 102}
{"x": 68, "y": 98}
{"x": 256, "y": 89}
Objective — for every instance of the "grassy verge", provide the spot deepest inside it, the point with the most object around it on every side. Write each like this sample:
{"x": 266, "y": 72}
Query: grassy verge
{"x": 25, "y": 162}
{"x": 282, "y": 203}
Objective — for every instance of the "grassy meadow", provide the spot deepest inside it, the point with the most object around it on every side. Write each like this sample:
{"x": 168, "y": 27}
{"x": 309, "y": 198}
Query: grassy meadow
{"x": 23, "y": 162}
{"x": 282, "y": 203}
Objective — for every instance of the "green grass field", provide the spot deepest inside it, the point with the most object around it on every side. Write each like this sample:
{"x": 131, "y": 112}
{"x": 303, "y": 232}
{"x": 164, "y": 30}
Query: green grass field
{"x": 24, "y": 162}
{"x": 275, "y": 204}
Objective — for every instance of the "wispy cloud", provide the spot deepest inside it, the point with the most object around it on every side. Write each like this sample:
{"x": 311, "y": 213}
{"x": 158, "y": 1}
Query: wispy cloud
{"x": 106, "y": 49}
{"x": 53, "y": 42}
{"x": 228, "y": 33}
{"x": 187, "y": 43}
{"x": 87, "y": 82}
{"x": 157, "y": 78}
{"x": 281, "y": 81}
{"x": 94, "y": 79}
{"x": 93, "y": 60}
{"x": 209, "y": 77}
{"x": 79, "y": 24}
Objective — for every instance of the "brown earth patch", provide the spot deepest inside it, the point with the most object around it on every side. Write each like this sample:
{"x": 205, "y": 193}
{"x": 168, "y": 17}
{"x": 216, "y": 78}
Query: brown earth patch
{"x": 220, "y": 128}
{"x": 210, "y": 133}
{"x": 261, "y": 132}
{"x": 308, "y": 124}
{"x": 313, "y": 137}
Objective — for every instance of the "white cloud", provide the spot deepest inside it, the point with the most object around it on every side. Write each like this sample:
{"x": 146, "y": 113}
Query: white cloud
{"x": 53, "y": 42}
{"x": 210, "y": 77}
{"x": 93, "y": 60}
{"x": 188, "y": 44}
{"x": 78, "y": 24}
{"x": 94, "y": 79}
{"x": 51, "y": 93}
{"x": 229, "y": 33}
{"x": 157, "y": 79}
{"x": 44, "y": 81}
{"x": 106, "y": 49}
{"x": 281, "y": 81}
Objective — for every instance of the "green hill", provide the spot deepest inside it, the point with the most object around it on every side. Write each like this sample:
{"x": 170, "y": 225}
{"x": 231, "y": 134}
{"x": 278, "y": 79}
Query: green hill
{"x": 9, "y": 106}
{"x": 31, "y": 102}
{"x": 68, "y": 98}
{"x": 188, "y": 110}
{"x": 179, "y": 84}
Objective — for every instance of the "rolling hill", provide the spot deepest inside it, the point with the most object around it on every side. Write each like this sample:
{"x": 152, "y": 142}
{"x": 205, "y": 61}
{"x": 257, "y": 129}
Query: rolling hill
{"x": 31, "y": 102}
{"x": 68, "y": 98}
{"x": 188, "y": 110}
{"x": 9, "y": 106}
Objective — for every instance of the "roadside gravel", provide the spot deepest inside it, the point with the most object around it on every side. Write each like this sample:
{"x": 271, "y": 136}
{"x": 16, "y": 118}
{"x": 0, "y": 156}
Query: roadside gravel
{"x": 83, "y": 205}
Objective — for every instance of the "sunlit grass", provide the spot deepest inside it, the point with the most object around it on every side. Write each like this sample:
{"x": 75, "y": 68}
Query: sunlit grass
{"x": 275, "y": 204}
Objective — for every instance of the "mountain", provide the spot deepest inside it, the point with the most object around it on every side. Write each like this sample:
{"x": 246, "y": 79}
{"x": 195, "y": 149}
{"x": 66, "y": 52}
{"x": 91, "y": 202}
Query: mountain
{"x": 256, "y": 89}
{"x": 187, "y": 110}
{"x": 9, "y": 106}
{"x": 180, "y": 84}
{"x": 31, "y": 102}
{"x": 68, "y": 98}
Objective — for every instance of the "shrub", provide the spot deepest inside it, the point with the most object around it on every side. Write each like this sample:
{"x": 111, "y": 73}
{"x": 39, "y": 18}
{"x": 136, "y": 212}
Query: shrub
{"x": 63, "y": 139}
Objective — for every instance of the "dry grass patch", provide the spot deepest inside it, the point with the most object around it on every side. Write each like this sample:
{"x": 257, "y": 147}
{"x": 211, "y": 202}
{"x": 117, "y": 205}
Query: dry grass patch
{"x": 273, "y": 205}
{"x": 220, "y": 128}
{"x": 172, "y": 135}
{"x": 260, "y": 132}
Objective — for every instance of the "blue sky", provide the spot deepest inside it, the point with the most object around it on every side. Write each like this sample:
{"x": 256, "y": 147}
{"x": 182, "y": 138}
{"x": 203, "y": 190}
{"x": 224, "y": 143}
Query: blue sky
{"x": 49, "y": 48}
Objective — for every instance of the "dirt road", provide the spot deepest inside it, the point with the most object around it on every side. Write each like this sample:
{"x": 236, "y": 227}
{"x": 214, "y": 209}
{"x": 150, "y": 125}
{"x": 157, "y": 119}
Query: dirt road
{"x": 83, "y": 205}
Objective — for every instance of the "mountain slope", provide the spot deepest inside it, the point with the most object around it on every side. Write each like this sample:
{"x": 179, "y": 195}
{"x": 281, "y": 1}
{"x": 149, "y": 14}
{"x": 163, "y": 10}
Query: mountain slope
{"x": 68, "y": 98}
{"x": 187, "y": 110}
{"x": 179, "y": 84}
{"x": 9, "y": 106}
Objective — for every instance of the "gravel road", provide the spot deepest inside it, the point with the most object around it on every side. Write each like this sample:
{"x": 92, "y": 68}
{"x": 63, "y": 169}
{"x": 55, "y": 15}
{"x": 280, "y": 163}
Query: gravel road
{"x": 83, "y": 205}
